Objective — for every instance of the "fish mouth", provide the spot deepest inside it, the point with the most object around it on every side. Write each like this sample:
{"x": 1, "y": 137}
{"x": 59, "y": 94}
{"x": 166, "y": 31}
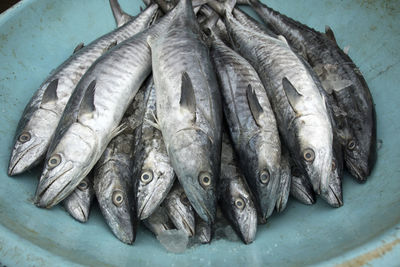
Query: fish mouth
{"x": 150, "y": 204}
{"x": 200, "y": 208}
{"x": 15, "y": 168}
{"x": 124, "y": 231}
{"x": 45, "y": 198}
{"x": 247, "y": 231}
{"x": 188, "y": 227}
{"x": 359, "y": 172}
{"x": 333, "y": 197}
{"x": 279, "y": 204}
{"x": 79, "y": 212}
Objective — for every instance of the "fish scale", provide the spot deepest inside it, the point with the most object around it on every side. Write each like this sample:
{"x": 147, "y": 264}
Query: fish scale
{"x": 68, "y": 74}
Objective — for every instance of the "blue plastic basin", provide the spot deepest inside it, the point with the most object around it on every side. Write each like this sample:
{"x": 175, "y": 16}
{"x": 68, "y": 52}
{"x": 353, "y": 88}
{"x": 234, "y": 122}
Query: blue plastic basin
{"x": 36, "y": 36}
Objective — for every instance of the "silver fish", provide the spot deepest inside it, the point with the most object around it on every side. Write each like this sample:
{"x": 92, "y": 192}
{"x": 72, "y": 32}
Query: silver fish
{"x": 234, "y": 195}
{"x": 78, "y": 204}
{"x": 91, "y": 118}
{"x": 43, "y": 112}
{"x": 285, "y": 181}
{"x": 179, "y": 210}
{"x": 189, "y": 108}
{"x": 343, "y": 82}
{"x": 113, "y": 175}
{"x": 251, "y": 123}
{"x": 156, "y": 175}
{"x": 299, "y": 107}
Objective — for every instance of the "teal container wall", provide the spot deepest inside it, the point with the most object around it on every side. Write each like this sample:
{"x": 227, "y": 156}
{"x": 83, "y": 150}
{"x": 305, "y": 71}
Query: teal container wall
{"x": 36, "y": 36}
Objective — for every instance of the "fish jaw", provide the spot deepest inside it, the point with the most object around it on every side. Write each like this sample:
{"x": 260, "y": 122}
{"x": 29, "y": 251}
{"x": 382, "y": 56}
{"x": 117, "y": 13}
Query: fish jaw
{"x": 26, "y": 156}
{"x": 357, "y": 167}
{"x": 151, "y": 195}
{"x": 77, "y": 208}
{"x": 28, "y": 153}
{"x": 78, "y": 203}
{"x": 121, "y": 219}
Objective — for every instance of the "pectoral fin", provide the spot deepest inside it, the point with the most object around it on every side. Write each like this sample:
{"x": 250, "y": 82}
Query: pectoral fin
{"x": 109, "y": 47}
{"x": 87, "y": 104}
{"x": 255, "y": 107}
{"x": 292, "y": 94}
{"x": 188, "y": 99}
{"x": 50, "y": 94}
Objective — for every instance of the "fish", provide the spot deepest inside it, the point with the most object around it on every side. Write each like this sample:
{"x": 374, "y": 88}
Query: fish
{"x": 78, "y": 204}
{"x": 42, "y": 114}
{"x": 300, "y": 109}
{"x": 93, "y": 114}
{"x": 235, "y": 198}
{"x": 300, "y": 188}
{"x": 158, "y": 222}
{"x": 114, "y": 184}
{"x": 179, "y": 210}
{"x": 156, "y": 175}
{"x": 284, "y": 182}
{"x": 342, "y": 80}
{"x": 251, "y": 123}
{"x": 189, "y": 109}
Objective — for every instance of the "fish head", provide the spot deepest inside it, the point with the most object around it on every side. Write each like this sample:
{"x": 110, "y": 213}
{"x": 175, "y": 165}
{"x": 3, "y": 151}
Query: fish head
{"x": 265, "y": 168}
{"x": 79, "y": 201}
{"x": 241, "y": 210}
{"x": 66, "y": 165}
{"x": 196, "y": 162}
{"x": 155, "y": 181}
{"x": 31, "y": 141}
{"x": 356, "y": 159}
{"x": 315, "y": 154}
{"x": 180, "y": 210}
{"x": 116, "y": 201}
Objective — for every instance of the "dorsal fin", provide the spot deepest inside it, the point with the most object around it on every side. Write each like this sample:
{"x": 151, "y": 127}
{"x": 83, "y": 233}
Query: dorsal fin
{"x": 120, "y": 16}
{"x": 109, "y": 47}
{"x": 188, "y": 99}
{"x": 292, "y": 94}
{"x": 50, "y": 94}
{"x": 87, "y": 104}
{"x": 79, "y": 47}
{"x": 329, "y": 33}
{"x": 254, "y": 104}
{"x": 283, "y": 39}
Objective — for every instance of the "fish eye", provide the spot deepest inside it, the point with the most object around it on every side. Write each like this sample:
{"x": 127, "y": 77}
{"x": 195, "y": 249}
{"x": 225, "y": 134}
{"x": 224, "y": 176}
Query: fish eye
{"x": 83, "y": 185}
{"x": 146, "y": 177}
{"x": 205, "y": 179}
{"x": 24, "y": 137}
{"x": 309, "y": 155}
{"x": 264, "y": 177}
{"x": 351, "y": 145}
{"x": 185, "y": 201}
{"x": 239, "y": 203}
{"x": 54, "y": 161}
{"x": 117, "y": 198}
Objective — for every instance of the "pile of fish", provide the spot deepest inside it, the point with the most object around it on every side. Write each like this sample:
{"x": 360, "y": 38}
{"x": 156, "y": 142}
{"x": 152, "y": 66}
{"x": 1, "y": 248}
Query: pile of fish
{"x": 243, "y": 114}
